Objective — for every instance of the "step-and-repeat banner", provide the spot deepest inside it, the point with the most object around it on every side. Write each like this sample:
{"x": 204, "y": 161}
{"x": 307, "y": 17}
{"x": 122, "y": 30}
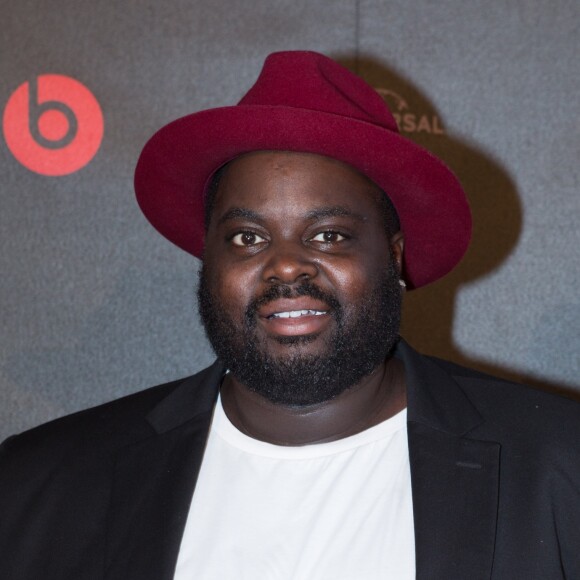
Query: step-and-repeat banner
{"x": 95, "y": 304}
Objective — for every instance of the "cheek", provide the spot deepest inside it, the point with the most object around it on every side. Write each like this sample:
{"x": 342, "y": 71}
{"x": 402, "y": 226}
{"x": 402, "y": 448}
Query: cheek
{"x": 232, "y": 288}
{"x": 354, "y": 280}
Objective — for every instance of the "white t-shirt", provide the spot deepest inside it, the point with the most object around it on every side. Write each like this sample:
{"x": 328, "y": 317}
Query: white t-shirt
{"x": 332, "y": 511}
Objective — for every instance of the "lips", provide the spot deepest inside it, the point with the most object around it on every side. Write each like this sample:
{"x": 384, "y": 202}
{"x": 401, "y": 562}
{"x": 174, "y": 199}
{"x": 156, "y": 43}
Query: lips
{"x": 301, "y": 305}
{"x": 294, "y": 317}
{"x": 297, "y": 313}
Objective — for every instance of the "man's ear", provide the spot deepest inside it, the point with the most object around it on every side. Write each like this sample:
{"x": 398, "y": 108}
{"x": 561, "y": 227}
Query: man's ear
{"x": 397, "y": 243}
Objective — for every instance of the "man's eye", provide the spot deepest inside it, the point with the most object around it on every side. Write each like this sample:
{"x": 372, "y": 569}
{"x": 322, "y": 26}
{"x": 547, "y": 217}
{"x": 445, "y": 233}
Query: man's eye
{"x": 328, "y": 237}
{"x": 247, "y": 239}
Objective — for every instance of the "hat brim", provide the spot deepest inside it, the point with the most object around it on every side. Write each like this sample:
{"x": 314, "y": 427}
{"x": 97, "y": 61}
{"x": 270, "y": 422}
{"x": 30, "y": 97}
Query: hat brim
{"x": 177, "y": 163}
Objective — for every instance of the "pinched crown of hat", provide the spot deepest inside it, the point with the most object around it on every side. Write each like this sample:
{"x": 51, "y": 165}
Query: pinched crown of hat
{"x": 304, "y": 101}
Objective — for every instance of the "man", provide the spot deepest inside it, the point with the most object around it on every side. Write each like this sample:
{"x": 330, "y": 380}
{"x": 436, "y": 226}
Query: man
{"x": 320, "y": 445}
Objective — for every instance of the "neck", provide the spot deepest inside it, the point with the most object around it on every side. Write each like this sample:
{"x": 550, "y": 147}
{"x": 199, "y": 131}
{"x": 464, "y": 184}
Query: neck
{"x": 374, "y": 399}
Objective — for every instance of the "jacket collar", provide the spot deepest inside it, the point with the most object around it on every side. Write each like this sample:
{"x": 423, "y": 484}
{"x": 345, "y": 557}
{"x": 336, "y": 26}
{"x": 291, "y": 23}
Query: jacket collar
{"x": 154, "y": 479}
{"x": 193, "y": 397}
{"x": 434, "y": 398}
{"x": 454, "y": 477}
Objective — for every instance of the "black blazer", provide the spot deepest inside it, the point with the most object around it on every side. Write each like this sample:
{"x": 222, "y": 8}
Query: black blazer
{"x": 104, "y": 494}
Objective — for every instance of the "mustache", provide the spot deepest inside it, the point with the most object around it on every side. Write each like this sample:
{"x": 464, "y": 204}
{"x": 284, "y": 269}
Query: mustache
{"x": 306, "y": 288}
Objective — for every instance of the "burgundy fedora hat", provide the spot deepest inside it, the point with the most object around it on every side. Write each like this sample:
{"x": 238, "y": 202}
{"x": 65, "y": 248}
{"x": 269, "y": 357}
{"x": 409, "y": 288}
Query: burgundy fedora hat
{"x": 304, "y": 101}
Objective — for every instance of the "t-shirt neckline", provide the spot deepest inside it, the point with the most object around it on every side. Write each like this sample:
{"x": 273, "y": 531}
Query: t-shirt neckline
{"x": 225, "y": 429}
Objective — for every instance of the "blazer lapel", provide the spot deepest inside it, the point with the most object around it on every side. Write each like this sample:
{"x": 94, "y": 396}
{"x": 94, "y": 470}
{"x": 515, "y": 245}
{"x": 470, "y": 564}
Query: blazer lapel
{"x": 455, "y": 478}
{"x": 154, "y": 481}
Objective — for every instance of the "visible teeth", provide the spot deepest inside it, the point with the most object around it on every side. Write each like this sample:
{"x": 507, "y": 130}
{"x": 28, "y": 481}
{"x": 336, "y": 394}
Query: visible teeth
{"x": 298, "y": 313}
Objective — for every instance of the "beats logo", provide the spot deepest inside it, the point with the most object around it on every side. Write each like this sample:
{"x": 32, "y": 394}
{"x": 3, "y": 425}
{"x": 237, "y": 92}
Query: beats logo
{"x": 53, "y": 125}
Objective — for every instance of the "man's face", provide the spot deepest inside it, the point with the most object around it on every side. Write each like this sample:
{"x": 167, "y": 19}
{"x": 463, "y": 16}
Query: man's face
{"x": 299, "y": 288}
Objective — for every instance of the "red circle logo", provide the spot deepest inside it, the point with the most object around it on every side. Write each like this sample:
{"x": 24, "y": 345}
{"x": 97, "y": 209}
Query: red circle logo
{"x": 53, "y": 125}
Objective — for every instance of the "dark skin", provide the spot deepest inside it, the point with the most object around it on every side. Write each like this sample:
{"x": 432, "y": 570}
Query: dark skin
{"x": 280, "y": 218}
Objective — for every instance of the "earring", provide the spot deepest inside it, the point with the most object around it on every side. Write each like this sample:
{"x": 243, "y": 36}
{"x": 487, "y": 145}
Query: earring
{"x": 403, "y": 283}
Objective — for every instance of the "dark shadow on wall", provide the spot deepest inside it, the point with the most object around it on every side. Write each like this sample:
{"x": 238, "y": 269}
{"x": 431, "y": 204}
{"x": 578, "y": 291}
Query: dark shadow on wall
{"x": 497, "y": 221}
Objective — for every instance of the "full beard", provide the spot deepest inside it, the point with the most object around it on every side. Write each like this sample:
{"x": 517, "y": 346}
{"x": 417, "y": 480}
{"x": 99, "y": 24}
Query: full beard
{"x": 364, "y": 335}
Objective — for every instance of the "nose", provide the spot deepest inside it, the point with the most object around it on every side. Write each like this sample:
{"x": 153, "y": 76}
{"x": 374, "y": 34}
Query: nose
{"x": 288, "y": 265}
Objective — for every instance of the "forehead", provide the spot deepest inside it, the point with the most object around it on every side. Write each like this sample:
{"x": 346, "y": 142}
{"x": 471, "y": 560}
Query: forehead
{"x": 282, "y": 180}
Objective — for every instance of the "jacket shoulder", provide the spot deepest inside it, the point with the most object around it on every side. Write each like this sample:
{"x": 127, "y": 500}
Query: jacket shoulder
{"x": 520, "y": 409}
{"x": 98, "y": 429}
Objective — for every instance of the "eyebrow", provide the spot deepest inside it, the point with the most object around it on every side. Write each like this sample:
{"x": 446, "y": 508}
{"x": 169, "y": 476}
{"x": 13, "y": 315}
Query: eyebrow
{"x": 239, "y": 212}
{"x": 335, "y": 211}
{"x": 314, "y": 215}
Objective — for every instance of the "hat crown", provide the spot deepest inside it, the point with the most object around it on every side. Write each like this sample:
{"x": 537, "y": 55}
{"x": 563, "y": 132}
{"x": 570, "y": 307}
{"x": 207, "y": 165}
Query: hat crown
{"x": 312, "y": 81}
